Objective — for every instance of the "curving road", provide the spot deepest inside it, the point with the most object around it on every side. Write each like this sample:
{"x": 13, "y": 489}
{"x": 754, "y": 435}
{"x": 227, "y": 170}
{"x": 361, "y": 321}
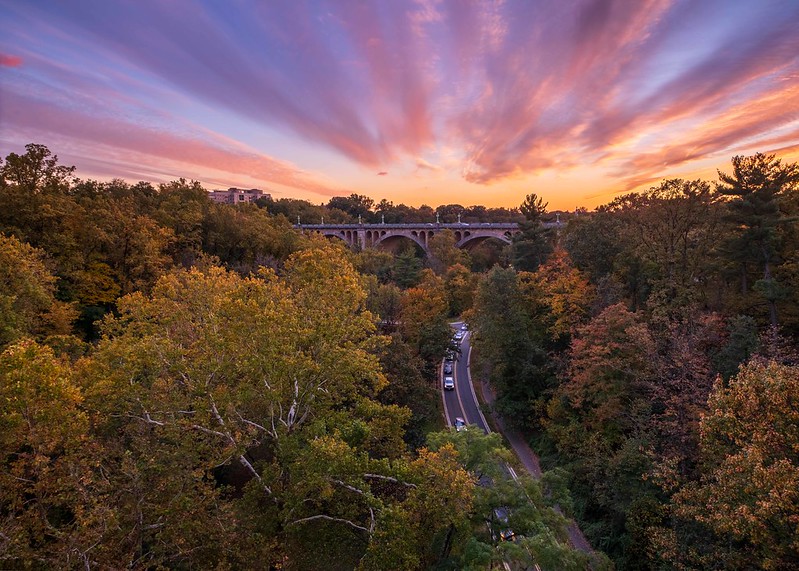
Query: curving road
{"x": 462, "y": 402}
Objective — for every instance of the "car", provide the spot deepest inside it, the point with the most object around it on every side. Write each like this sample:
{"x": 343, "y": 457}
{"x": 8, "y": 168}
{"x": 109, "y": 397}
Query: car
{"x": 500, "y": 523}
{"x": 458, "y": 335}
{"x": 447, "y": 368}
{"x": 464, "y": 326}
{"x": 449, "y": 383}
{"x": 450, "y": 356}
{"x": 507, "y": 535}
{"x": 460, "y": 424}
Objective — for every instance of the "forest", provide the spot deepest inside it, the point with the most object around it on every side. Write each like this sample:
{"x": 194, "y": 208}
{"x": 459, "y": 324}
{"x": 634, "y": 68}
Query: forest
{"x": 192, "y": 385}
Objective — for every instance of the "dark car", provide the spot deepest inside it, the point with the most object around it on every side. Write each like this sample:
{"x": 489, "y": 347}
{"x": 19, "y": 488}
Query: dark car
{"x": 447, "y": 368}
{"x": 460, "y": 424}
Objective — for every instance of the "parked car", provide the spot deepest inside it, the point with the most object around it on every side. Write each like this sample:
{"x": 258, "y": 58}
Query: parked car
{"x": 449, "y": 383}
{"x": 447, "y": 368}
{"x": 460, "y": 424}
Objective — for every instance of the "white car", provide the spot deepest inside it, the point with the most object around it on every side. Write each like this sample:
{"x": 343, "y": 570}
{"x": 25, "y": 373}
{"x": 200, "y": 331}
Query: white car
{"x": 449, "y": 383}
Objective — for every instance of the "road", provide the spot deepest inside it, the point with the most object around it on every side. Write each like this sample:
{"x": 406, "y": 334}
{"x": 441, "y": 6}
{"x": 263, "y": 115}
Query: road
{"x": 462, "y": 402}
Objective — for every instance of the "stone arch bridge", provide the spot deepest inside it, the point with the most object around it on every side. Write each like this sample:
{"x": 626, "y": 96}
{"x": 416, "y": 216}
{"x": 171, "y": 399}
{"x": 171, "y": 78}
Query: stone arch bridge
{"x": 383, "y": 235}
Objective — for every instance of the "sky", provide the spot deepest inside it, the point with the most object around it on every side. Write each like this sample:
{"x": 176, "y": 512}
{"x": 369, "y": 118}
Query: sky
{"x": 420, "y": 102}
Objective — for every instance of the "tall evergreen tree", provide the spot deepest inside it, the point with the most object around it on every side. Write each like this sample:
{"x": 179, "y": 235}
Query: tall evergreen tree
{"x": 755, "y": 187}
{"x": 531, "y": 247}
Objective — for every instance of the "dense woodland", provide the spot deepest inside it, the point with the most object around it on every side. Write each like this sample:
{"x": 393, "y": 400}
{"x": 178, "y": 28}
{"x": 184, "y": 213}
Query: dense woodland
{"x": 191, "y": 385}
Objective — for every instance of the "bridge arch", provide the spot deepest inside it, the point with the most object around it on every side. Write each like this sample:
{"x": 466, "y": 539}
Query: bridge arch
{"x": 469, "y": 242}
{"x": 373, "y": 235}
{"x": 386, "y": 238}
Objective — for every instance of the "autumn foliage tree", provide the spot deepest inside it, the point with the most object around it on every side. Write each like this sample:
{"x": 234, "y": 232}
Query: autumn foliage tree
{"x": 42, "y": 432}
{"x": 748, "y": 493}
{"x": 28, "y": 306}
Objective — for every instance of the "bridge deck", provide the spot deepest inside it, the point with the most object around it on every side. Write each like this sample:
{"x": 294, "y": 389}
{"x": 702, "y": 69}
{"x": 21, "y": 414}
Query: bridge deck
{"x": 416, "y": 226}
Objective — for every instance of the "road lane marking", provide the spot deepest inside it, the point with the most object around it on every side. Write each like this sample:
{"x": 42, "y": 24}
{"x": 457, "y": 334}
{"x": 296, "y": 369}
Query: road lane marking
{"x": 458, "y": 391}
{"x": 471, "y": 384}
{"x": 443, "y": 393}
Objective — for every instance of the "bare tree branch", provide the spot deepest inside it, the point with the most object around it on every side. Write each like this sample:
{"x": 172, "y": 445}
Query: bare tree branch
{"x": 389, "y": 479}
{"x": 351, "y": 488}
{"x": 330, "y": 518}
{"x": 209, "y": 431}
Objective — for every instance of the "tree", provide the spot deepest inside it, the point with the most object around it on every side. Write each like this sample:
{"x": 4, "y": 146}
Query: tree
{"x": 755, "y": 188}
{"x": 521, "y": 505}
{"x": 674, "y": 225}
{"x": 565, "y": 292}
{"x": 356, "y": 205}
{"x": 747, "y": 496}
{"x": 593, "y": 242}
{"x": 245, "y": 238}
{"x": 599, "y": 420}
{"x": 408, "y": 387}
{"x": 131, "y": 244}
{"x": 530, "y": 248}
{"x": 42, "y": 432}
{"x": 460, "y": 284}
{"x": 533, "y": 208}
{"x": 375, "y": 262}
{"x": 265, "y": 386}
{"x": 407, "y": 268}
{"x": 610, "y": 369}
{"x": 27, "y": 294}
{"x": 444, "y": 253}
{"x": 423, "y": 321}
{"x": 37, "y": 171}
{"x": 512, "y": 344}
{"x": 182, "y": 207}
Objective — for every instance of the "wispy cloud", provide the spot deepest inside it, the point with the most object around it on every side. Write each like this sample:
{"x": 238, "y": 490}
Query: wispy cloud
{"x": 518, "y": 87}
{"x": 114, "y": 141}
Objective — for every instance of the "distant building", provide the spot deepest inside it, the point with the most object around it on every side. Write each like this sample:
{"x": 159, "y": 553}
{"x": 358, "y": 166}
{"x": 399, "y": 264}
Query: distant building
{"x": 238, "y": 195}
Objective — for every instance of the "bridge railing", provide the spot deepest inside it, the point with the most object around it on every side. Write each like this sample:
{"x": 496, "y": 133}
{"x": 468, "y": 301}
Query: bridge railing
{"x": 417, "y": 226}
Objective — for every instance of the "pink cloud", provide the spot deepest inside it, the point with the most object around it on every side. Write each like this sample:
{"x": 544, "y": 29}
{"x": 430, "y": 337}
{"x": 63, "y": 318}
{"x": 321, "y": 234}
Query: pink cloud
{"x": 115, "y": 140}
{"x": 7, "y": 60}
